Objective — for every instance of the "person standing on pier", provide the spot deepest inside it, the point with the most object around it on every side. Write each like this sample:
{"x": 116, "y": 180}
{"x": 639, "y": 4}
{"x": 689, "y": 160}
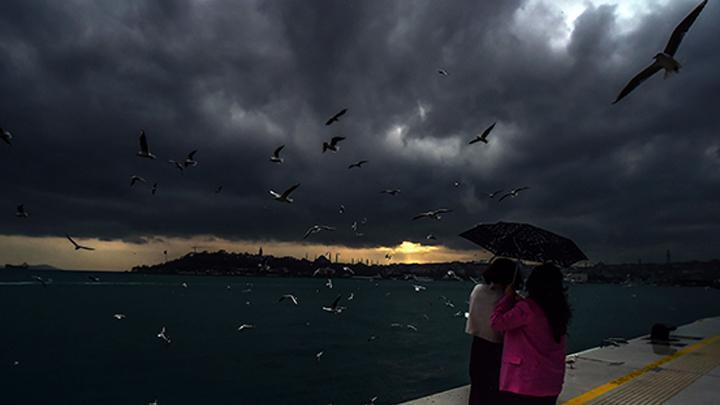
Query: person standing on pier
{"x": 486, "y": 351}
{"x": 534, "y": 344}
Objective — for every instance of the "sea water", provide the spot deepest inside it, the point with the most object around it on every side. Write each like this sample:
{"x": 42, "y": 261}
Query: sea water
{"x": 60, "y": 344}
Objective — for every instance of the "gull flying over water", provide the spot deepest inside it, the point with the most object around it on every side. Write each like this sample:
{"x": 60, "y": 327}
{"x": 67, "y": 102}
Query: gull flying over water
{"x": 40, "y": 280}
{"x": 483, "y": 137}
{"x": 317, "y": 228}
{"x": 289, "y": 297}
{"x": 144, "y": 151}
{"x": 285, "y": 196}
{"x": 77, "y": 247}
{"x": 336, "y": 117}
{"x": 513, "y": 193}
{"x": 442, "y": 72}
{"x": 135, "y": 179}
{"x": 333, "y": 145}
{"x": 664, "y": 60}
{"x": 412, "y": 327}
{"x": 430, "y": 237}
{"x": 318, "y": 355}
{"x": 275, "y": 158}
{"x": 436, "y": 214}
{"x": 20, "y": 212}
{"x": 6, "y": 136}
{"x": 334, "y": 308}
{"x": 329, "y": 283}
{"x": 119, "y": 317}
{"x": 245, "y": 326}
{"x": 163, "y": 336}
{"x": 341, "y": 210}
{"x": 358, "y": 164}
{"x": 419, "y": 288}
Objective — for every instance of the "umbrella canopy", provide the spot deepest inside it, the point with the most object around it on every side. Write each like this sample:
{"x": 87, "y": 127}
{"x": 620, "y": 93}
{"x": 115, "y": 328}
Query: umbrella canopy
{"x": 525, "y": 242}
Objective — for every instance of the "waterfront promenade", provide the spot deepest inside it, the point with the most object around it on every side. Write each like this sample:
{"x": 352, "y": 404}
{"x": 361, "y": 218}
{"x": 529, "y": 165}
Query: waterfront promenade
{"x": 687, "y": 371}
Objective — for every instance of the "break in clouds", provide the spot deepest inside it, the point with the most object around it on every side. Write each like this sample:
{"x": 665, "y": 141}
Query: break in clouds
{"x": 235, "y": 80}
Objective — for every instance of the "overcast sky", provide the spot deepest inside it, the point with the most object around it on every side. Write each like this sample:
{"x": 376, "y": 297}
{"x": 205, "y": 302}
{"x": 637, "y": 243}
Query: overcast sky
{"x": 234, "y": 80}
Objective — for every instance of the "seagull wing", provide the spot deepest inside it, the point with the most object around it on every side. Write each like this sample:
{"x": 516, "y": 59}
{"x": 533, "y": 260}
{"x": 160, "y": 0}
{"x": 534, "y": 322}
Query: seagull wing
{"x": 71, "y": 240}
{"x": 85, "y": 247}
{"x": 639, "y": 78}
{"x": 143, "y": 142}
{"x": 423, "y": 215}
{"x": 487, "y": 131}
{"x": 504, "y": 196}
{"x": 335, "y": 303}
{"x": 310, "y": 231}
{"x": 443, "y": 211}
{"x": 682, "y": 28}
{"x": 274, "y": 194}
{"x": 517, "y": 190}
{"x": 290, "y": 190}
{"x": 277, "y": 151}
{"x": 336, "y": 139}
{"x": 191, "y": 155}
{"x": 474, "y": 140}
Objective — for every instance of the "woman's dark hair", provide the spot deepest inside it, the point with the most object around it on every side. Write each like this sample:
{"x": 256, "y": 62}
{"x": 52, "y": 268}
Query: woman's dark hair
{"x": 500, "y": 271}
{"x": 545, "y": 287}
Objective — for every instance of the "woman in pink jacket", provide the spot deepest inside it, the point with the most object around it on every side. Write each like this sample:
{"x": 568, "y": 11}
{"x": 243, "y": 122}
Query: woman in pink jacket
{"x": 535, "y": 328}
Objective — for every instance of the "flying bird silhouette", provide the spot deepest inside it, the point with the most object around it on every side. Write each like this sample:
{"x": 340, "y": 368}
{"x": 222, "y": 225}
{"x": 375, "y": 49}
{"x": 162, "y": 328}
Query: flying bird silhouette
{"x": 317, "y": 228}
{"x": 665, "y": 59}
{"x": 135, "y": 179}
{"x": 20, "y": 212}
{"x": 144, "y": 149}
{"x": 75, "y": 244}
{"x": 436, "y": 214}
{"x": 275, "y": 158}
{"x": 513, "y": 193}
{"x": 190, "y": 159}
{"x": 392, "y": 192}
{"x": 285, "y": 196}
{"x": 483, "y": 137}
{"x": 333, "y": 145}
{"x": 442, "y": 72}
{"x": 357, "y": 164}
{"x": 336, "y": 117}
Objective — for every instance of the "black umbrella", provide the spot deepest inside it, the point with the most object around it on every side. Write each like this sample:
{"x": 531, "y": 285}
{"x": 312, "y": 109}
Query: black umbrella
{"x": 525, "y": 242}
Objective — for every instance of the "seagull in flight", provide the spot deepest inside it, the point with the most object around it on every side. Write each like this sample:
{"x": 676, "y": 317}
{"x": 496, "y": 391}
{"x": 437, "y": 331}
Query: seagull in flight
{"x": 351, "y": 296}
{"x": 245, "y": 326}
{"x": 436, "y": 214}
{"x": 341, "y": 210}
{"x": 392, "y": 192}
{"x": 289, "y": 297}
{"x": 275, "y": 158}
{"x": 119, "y": 317}
{"x": 419, "y": 288}
{"x": 317, "y": 228}
{"x": 333, "y": 145}
{"x": 336, "y": 117}
{"x": 94, "y": 279}
{"x": 190, "y": 159}
{"x": 154, "y": 188}
{"x": 358, "y": 164}
{"x": 77, "y": 247}
{"x": 442, "y": 72}
{"x": 20, "y": 212}
{"x": 430, "y": 237}
{"x": 329, "y": 283}
{"x": 144, "y": 149}
{"x": 483, "y": 137}
{"x": 388, "y": 256}
{"x": 6, "y": 136}
{"x": 163, "y": 336}
{"x": 412, "y": 327}
{"x": 664, "y": 60}
{"x": 135, "y": 179}
{"x": 334, "y": 308}
{"x": 513, "y": 193}
{"x": 285, "y": 196}
{"x": 318, "y": 355}
{"x": 494, "y": 193}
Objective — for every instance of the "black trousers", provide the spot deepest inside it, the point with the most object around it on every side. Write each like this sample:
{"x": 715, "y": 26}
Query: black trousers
{"x": 509, "y": 398}
{"x": 485, "y": 360}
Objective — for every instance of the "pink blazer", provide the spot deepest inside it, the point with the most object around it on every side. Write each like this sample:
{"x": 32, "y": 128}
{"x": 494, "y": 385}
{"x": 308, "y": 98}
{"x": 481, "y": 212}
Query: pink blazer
{"x": 533, "y": 363}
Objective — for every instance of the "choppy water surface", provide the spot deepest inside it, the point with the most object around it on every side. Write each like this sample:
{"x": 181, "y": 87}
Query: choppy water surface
{"x": 71, "y": 350}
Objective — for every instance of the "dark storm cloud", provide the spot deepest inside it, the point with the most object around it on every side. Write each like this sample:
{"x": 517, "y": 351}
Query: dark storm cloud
{"x": 237, "y": 79}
